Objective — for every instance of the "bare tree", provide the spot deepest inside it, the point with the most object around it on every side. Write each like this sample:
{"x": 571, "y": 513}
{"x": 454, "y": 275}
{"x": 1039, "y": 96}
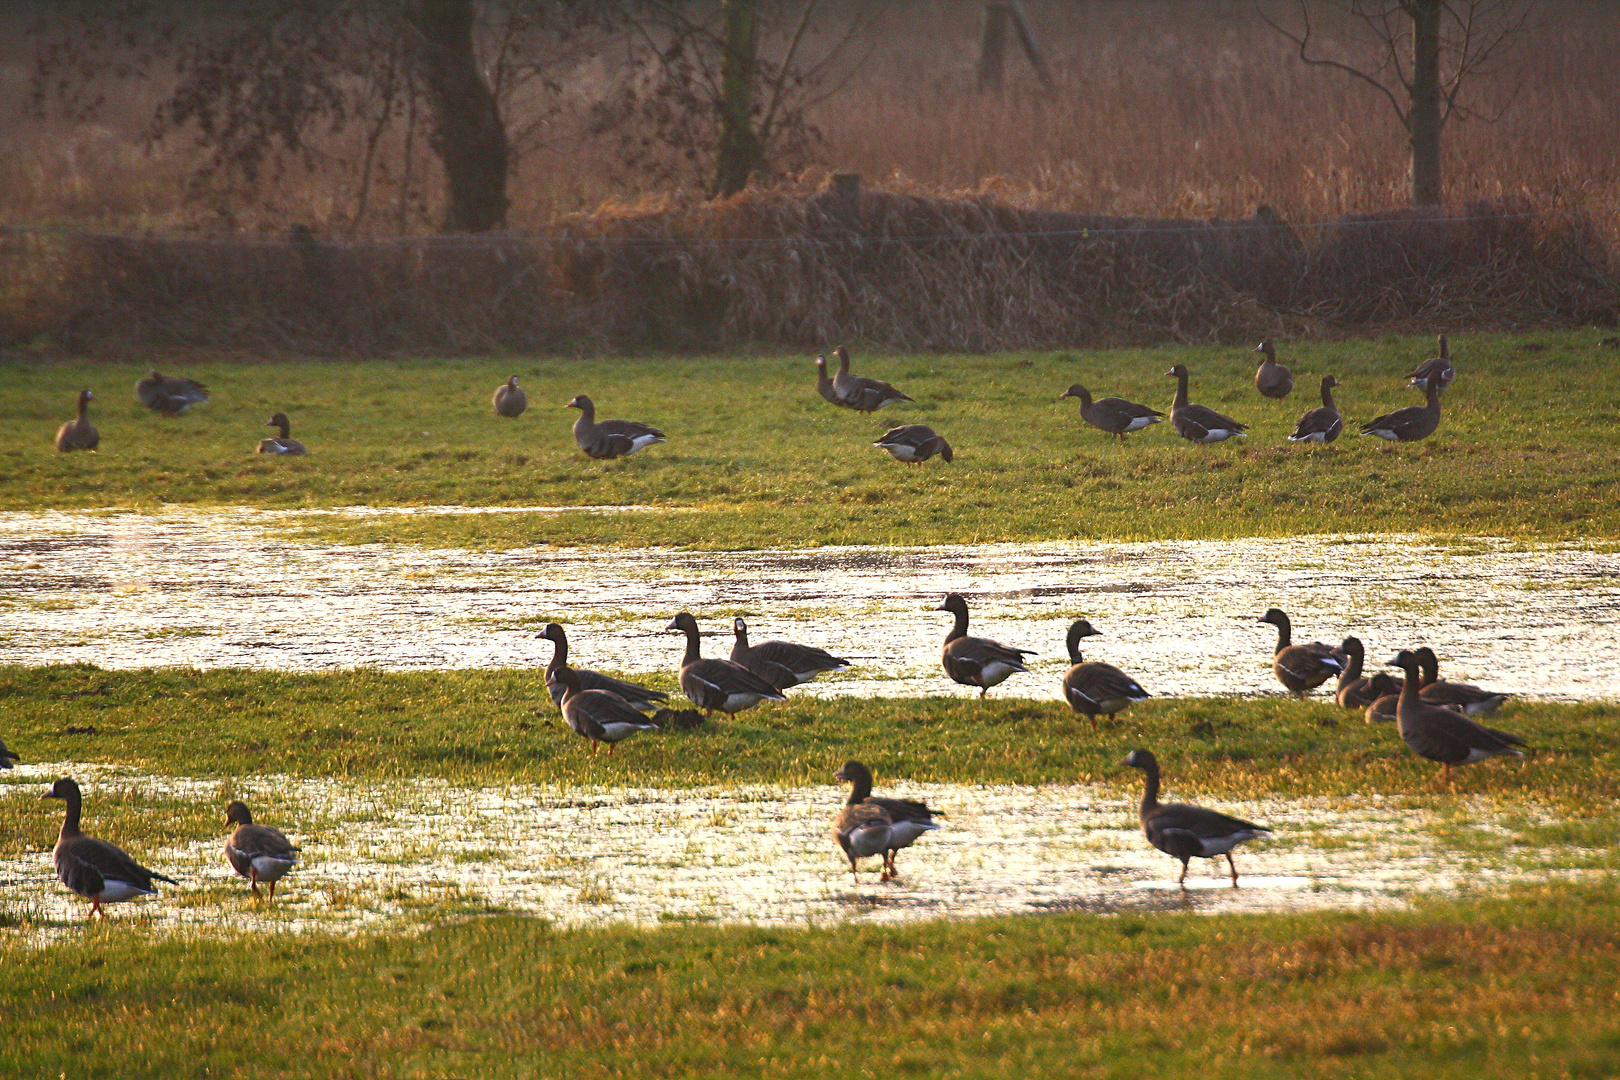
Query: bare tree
{"x": 1424, "y": 57}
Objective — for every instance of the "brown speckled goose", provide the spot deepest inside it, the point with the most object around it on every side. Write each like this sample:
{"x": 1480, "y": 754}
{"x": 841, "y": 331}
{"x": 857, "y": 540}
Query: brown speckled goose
{"x": 599, "y": 715}
{"x": 1355, "y": 690}
{"x": 860, "y": 393}
{"x": 1112, "y": 414}
{"x": 1439, "y": 369}
{"x": 169, "y": 396}
{"x": 915, "y": 443}
{"x": 908, "y": 819}
{"x": 1185, "y": 831}
{"x": 79, "y": 434}
{"x": 610, "y": 438}
{"x": 257, "y": 852}
{"x": 509, "y": 399}
{"x": 1272, "y": 379}
{"x": 1324, "y": 424}
{"x": 1301, "y": 668}
{"x": 1440, "y": 734}
{"x": 782, "y": 663}
{"x": 1198, "y": 423}
{"x": 283, "y": 445}
{"x": 977, "y": 661}
{"x": 639, "y": 696}
{"x": 716, "y": 685}
{"x": 1410, "y": 424}
{"x": 95, "y": 869}
{"x": 1437, "y": 691}
{"x": 1091, "y": 687}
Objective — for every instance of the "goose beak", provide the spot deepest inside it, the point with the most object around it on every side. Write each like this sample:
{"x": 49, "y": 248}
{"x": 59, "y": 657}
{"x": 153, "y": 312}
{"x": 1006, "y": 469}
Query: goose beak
{"x": 1171, "y": 374}
{"x": 1392, "y": 661}
{"x": 1125, "y": 762}
{"x": 672, "y": 625}
{"x": 49, "y": 794}
{"x": 1065, "y": 394}
{"x": 839, "y": 775}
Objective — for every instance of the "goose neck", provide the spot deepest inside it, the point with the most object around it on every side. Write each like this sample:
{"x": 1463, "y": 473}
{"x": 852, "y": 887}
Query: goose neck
{"x": 959, "y": 630}
{"x": 1428, "y": 672}
{"x": 1410, "y": 687}
{"x": 694, "y": 652}
{"x": 1327, "y": 396}
{"x": 70, "y": 821}
{"x": 559, "y": 656}
{"x": 1074, "y": 646}
{"x": 860, "y": 788}
{"x": 1285, "y": 634}
{"x": 1353, "y": 671}
{"x": 1180, "y": 400}
{"x": 1150, "y": 790}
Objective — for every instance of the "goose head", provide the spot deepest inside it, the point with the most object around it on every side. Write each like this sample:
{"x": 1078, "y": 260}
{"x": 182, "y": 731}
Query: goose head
{"x": 278, "y": 420}
{"x": 739, "y": 628}
{"x": 1079, "y": 630}
{"x": 1266, "y": 351}
{"x": 1076, "y": 391}
{"x": 1381, "y": 685}
{"x": 1407, "y": 661}
{"x": 954, "y": 604}
{"x": 1178, "y": 372}
{"x": 1351, "y": 646}
{"x": 236, "y": 813}
{"x": 683, "y": 623}
{"x": 821, "y": 364}
{"x": 1140, "y": 759}
{"x": 553, "y": 633}
{"x": 853, "y": 772}
{"x": 1274, "y": 616}
{"x": 65, "y": 788}
{"x": 580, "y": 402}
{"x": 1329, "y": 382}
{"x": 86, "y": 397}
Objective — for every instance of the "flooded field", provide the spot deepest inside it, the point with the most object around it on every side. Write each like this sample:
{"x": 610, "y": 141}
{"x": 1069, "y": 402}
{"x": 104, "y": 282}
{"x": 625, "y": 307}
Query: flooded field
{"x": 382, "y": 854}
{"x": 215, "y": 589}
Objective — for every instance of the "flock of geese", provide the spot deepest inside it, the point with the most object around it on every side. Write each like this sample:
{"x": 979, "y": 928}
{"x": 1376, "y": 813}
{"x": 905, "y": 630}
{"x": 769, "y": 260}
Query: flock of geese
{"x": 912, "y": 443}
{"x": 1433, "y": 716}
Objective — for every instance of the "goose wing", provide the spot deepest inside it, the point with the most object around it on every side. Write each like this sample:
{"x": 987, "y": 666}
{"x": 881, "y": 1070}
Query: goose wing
{"x": 1398, "y": 422}
{"x": 1098, "y": 683}
{"x": 867, "y": 395}
{"x": 800, "y": 659}
{"x": 634, "y": 693}
{"x": 190, "y": 391}
{"x": 906, "y": 810}
{"x": 1202, "y": 822}
{"x": 983, "y": 651}
{"x": 1306, "y": 664}
{"x": 1464, "y": 694}
{"x": 1449, "y": 737}
{"x": 1437, "y": 367}
{"x": 7, "y": 755}
{"x": 1321, "y": 421}
{"x": 1209, "y": 419}
{"x": 259, "y": 841}
{"x": 629, "y": 429}
{"x": 726, "y": 678}
{"x": 88, "y": 860}
{"x": 604, "y": 716}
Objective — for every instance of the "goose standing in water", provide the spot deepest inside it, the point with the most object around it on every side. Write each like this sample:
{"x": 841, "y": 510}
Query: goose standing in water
{"x": 599, "y": 715}
{"x": 1440, "y": 734}
{"x": 716, "y": 685}
{"x": 782, "y": 663}
{"x": 1112, "y": 414}
{"x": 95, "y": 869}
{"x": 860, "y": 393}
{"x": 1092, "y": 687}
{"x": 610, "y": 438}
{"x": 1272, "y": 379}
{"x": 1324, "y": 424}
{"x": 79, "y": 434}
{"x": 639, "y": 696}
{"x": 977, "y": 661}
{"x": 908, "y": 819}
{"x": 509, "y": 399}
{"x": 257, "y": 852}
{"x": 1301, "y": 668}
{"x": 1185, "y": 831}
{"x": 169, "y": 396}
{"x": 1199, "y": 423}
{"x": 283, "y": 445}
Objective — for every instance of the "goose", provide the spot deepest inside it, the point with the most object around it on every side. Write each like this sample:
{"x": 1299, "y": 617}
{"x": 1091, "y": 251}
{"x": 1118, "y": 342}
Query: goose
{"x": 257, "y": 852}
{"x": 95, "y": 869}
{"x": 509, "y": 399}
{"x": 1438, "y": 369}
{"x": 915, "y": 443}
{"x": 1411, "y": 423}
{"x": 977, "y": 661}
{"x": 639, "y": 696}
{"x": 717, "y": 685}
{"x": 599, "y": 715}
{"x": 860, "y": 393}
{"x": 824, "y": 384}
{"x": 1355, "y": 690}
{"x": 1092, "y": 688}
{"x": 283, "y": 445}
{"x": 1440, "y": 734}
{"x": 1112, "y": 414}
{"x": 1436, "y": 691}
{"x": 7, "y": 755}
{"x": 782, "y": 663}
{"x": 169, "y": 396}
{"x": 908, "y": 819}
{"x": 1183, "y": 830}
{"x": 1385, "y": 691}
{"x": 79, "y": 434}
{"x": 1301, "y": 668}
{"x": 1199, "y": 423}
{"x": 610, "y": 438}
{"x": 1272, "y": 379}
{"x": 1324, "y": 424}
{"x": 862, "y": 830}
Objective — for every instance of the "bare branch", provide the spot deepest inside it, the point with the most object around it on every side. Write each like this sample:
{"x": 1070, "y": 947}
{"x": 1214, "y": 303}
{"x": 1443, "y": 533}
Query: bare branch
{"x": 1302, "y": 41}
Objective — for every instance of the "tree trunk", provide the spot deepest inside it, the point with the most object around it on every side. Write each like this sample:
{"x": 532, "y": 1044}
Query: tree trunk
{"x": 468, "y": 134}
{"x": 1423, "y": 122}
{"x": 740, "y": 152}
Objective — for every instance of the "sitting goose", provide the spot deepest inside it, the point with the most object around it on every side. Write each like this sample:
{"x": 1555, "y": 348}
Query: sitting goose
{"x": 509, "y": 399}
{"x": 283, "y": 445}
{"x": 599, "y": 715}
{"x": 95, "y": 869}
{"x": 1355, "y": 690}
{"x": 782, "y": 663}
{"x": 1411, "y": 423}
{"x": 611, "y": 438}
{"x": 639, "y": 696}
{"x": 1436, "y": 691}
{"x": 1184, "y": 831}
{"x": 1199, "y": 423}
{"x": 977, "y": 661}
{"x": 1324, "y": 424}
{"x": 7, "y": 755}
{"x": 908, "y": 820}
{"x": 718, "y": 685}
{"x": 1438, "y": 369}
{"x": 79, "y": 434}
{"x": 1301, "y": 668}
{"x": 1438, "y": 733}
{"x": 915, "y": 443}
{"x": 257, "y": 852}
{"x": 1112, "y": 414}
{"x": 860, "y": 393}
{"x": 1092, "y": 688}
{"x": 1385, "y": 691}
{"x": 169, "y": 396}
{"x": 1272, "y": 379}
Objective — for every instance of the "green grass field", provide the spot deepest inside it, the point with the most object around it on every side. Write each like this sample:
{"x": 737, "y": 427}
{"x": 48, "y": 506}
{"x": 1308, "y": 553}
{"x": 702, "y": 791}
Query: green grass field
{"x": 756, "y": 458}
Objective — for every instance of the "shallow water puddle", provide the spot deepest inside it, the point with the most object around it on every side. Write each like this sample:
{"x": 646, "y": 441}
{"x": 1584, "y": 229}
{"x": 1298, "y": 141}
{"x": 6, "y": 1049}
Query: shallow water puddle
{"x": 381, "y": 854}
{"x": 211, "y": 589}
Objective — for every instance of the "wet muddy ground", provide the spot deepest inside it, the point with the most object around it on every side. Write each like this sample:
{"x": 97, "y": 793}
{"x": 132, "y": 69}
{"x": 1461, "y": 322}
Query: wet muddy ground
{"x": 215, "y": 588}
{"x": 377, "y": 855}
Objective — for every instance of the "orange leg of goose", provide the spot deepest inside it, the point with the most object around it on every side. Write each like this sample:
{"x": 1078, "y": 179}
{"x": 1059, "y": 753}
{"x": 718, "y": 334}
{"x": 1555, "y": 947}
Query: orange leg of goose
{"x": 1233, "y": 866}
{"x": 95, "y": 908}
{"x": 272, "y": 892}
{"x": 253, "y": 880}
{"x": 610, "y": 748}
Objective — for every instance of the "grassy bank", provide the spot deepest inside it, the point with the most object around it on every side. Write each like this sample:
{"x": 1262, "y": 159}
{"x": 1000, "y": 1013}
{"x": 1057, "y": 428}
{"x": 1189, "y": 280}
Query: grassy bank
{"x": 756, "y": 458}
{"x": 1519, "y": 985}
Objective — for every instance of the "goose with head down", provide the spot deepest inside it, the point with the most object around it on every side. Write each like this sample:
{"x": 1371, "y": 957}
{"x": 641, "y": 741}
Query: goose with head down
{"x": 257, "y": 852}
{"x": 1272, "y": 379}
{"x": 509, "y": 398}
{"x": 977, "y": 661}
{"x": 1324, "y": 424}
{"x": 1301, "y": 668}
{"x": 1114, "y": 415}
{"x": 1091, "y": 687}
{"x": 610, "y": 438}
{"x": 599, "y": 715}
{"x": 95, "y": 869}
{"x": 1199, "y": 423}
{"x": 79, "y": 434}
{"x": 782, "y": 663}
{"x": 1442, "y": 734}
{"x": 169, "y": 395}
{"x": 915, "y": 443}
{"x": 716, "y": 685}
{"x": 908, "y": 819}
{"x": 639, "y": 696}
{"x": 1437, "y": 691}
{"x": 860, "y": 393}
{"x": 1185, "y": 831}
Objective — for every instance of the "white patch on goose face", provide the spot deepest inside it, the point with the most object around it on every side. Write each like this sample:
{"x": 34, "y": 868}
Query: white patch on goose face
{"x": 114, "y": 891}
